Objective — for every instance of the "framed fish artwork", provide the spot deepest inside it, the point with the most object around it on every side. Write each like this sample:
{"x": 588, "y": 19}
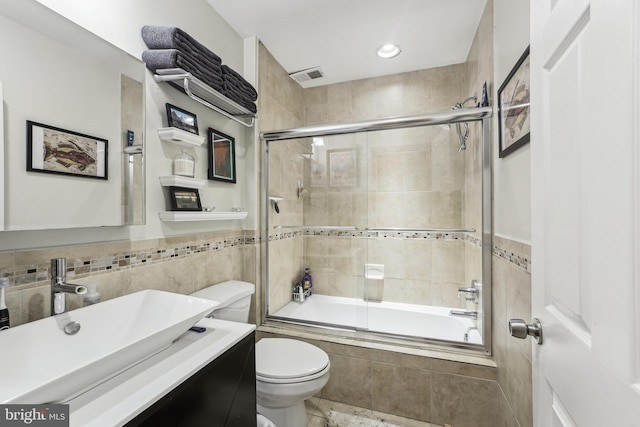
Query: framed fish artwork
{"x": 59, "y": 151}
{"x": 513, "y": 107}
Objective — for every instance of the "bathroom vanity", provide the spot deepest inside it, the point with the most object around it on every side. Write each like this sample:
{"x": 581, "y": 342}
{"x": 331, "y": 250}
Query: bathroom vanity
{"x": 202, "y": 379}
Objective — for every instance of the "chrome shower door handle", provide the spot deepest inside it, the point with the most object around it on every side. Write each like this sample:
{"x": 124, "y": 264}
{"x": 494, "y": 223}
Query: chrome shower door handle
{"x": 519, "y": 329}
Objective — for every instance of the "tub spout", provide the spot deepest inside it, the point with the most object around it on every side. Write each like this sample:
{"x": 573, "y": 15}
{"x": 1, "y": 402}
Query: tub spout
{"x": 464, "y": 313}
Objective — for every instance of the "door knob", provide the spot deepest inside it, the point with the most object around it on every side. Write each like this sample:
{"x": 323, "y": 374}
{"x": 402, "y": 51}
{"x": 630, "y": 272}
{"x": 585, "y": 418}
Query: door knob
{"x": 519, "y": 329}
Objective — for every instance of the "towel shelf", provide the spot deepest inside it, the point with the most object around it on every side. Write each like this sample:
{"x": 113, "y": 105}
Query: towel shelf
{"x": 205, "y": 95}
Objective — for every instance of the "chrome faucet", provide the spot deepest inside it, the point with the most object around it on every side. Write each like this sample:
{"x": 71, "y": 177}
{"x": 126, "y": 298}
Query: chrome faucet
{"x": 464, "y": 313}
{"x": 59, "y": 286}
{"x": 472, "y": 292}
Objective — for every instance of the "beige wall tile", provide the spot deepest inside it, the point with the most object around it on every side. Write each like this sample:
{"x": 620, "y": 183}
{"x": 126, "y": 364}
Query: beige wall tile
{"x": 350, "y": 381}
{"x": 173, "y": 276}
{"x": 418, "y": 259}
{"x": 401, "y": 390}
{"x": 463, "y": 401}
{"x": 36, "y": 303}
{"x": 518, "y": 380}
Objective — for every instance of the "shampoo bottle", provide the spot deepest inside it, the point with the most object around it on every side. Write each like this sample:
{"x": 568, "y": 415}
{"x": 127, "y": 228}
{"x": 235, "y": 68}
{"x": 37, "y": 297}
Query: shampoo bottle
{"x": 4, "y": 312}
{"x": 307, "y": 282}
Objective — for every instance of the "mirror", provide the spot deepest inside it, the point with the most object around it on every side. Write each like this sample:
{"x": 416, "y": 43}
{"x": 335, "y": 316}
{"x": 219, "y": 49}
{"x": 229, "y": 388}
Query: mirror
{"x": 87, "y": 97}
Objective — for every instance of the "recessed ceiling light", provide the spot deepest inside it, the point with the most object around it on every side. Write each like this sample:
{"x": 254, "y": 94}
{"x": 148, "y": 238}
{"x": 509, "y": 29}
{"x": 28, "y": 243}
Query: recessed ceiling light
{"x": 388, "y": 50}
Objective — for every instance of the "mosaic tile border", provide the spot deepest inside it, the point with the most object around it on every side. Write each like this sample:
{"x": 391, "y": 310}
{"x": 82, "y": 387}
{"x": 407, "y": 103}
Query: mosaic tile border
{"x": 513, "y": 258}
{"x": 106, "y": 263}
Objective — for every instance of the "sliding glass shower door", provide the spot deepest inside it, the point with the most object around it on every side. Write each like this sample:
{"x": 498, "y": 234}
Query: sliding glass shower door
{"x": 390, "y": 224}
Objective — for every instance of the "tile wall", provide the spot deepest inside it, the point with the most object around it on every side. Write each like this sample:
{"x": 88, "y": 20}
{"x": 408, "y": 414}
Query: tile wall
{"x": 181, "y": 264}
{"x": 512, "y": 299}
{"x": 414, "y": 385}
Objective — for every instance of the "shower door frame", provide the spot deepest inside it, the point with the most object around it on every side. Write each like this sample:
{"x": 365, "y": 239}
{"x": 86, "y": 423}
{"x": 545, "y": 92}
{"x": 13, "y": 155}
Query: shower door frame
{"x": 482, "y": 115}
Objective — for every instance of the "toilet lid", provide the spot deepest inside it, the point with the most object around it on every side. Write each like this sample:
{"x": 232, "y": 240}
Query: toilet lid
{"x": 283, "y": 358}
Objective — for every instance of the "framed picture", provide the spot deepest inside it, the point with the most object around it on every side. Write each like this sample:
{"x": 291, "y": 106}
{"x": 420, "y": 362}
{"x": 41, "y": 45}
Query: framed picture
{"x": 342, "y": 167}
{"x": 59, "y": 151}
{"x": 513, "y": 107}
{"x": 181, "y": 119}
{"x": 222, "y": 156}
{"x": 184, "y": 199}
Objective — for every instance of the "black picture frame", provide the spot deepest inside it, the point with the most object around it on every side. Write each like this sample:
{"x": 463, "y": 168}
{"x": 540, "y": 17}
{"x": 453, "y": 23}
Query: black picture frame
{"x": 60, "y": 151}
{"x": 513, "y": 107}
{"x": 184, "y": 199}
{"x": 181, "y": 119}
{"x": 222, "y": 156}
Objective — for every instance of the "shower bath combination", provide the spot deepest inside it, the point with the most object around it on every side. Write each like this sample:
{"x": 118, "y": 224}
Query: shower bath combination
{"x": 390, "y": 193}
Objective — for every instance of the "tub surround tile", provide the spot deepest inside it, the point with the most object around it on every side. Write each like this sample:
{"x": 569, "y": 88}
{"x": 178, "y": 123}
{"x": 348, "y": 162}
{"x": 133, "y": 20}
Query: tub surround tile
{"x": 401, "y": 390}
{"x": 465, "y": 369}
{"x": 463, "y": 401}
{"x": 350, "y": 381}
{"x": 401, "y": 383}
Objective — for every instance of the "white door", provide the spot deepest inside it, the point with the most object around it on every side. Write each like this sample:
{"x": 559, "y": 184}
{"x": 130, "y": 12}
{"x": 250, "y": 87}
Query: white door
{"x": 585, "y": 118}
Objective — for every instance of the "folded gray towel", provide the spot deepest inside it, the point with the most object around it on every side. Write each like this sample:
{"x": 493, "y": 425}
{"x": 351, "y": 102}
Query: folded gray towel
{"x": 171, "y": 58}
{"x": 157, "y": 37}
{"x": 238, "y": 98}
{"x": 231, "y": 84}
{"x": 232, "y": 75}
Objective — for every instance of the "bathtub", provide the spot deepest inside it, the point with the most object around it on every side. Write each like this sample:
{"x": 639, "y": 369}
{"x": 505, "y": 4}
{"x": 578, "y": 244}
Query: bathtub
{"x": 382, "y": 317}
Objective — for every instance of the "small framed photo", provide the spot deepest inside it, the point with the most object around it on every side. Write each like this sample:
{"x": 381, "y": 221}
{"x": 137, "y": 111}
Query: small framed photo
{"x": 513, "y": 107}
{"x": 59, "y": 151}
{"x": 222, "y": 156}
{"x": 181, "y": 119}
{"x": 184, "y": 199}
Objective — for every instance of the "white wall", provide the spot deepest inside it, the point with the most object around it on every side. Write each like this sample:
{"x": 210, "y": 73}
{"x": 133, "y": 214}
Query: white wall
{"x": 119, "y": 22}
{"x": 512, "y": 180}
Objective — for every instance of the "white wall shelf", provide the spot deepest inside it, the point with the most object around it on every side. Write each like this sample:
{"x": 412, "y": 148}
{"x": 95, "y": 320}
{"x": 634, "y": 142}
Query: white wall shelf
{"x": 180, "y": 137}
{"x": 200, "y": 216}
{"x": 181, "y": 181}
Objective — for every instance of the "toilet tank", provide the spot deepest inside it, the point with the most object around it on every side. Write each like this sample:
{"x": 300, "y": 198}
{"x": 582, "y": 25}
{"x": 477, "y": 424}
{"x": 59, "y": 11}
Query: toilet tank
{"x": 234, "y": 297}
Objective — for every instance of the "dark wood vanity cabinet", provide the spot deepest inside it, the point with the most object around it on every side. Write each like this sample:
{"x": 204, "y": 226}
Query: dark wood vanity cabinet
{"x": 222, "y": 394}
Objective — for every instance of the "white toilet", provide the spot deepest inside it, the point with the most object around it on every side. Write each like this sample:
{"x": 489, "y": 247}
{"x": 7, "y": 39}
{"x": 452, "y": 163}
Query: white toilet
{"x": 287, "y": 371}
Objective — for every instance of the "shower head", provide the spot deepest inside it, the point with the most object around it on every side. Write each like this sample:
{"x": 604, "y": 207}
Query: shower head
{"x": 461, "y": 104}
{"x": 463, "y": 129}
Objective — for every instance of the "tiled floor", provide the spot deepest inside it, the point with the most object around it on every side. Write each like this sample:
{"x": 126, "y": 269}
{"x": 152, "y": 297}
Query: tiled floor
{"x": 317, "y": 410}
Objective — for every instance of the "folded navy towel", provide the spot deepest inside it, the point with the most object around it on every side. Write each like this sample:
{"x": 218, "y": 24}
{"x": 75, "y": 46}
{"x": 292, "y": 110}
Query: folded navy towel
{"x": 172, "y": 58}
{"x": 157, "y": 37}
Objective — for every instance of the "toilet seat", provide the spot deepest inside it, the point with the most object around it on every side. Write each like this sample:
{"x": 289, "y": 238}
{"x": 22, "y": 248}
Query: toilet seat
{"x": 283, "y": 360}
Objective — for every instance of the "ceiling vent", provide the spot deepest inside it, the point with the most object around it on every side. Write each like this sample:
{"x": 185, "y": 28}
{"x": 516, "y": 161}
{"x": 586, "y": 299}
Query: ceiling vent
{"x": 308, "y": 74}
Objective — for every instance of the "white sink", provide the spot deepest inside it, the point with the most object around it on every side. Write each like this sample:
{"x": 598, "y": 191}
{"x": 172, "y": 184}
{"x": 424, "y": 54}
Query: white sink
{"x": 39, "y": 363}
